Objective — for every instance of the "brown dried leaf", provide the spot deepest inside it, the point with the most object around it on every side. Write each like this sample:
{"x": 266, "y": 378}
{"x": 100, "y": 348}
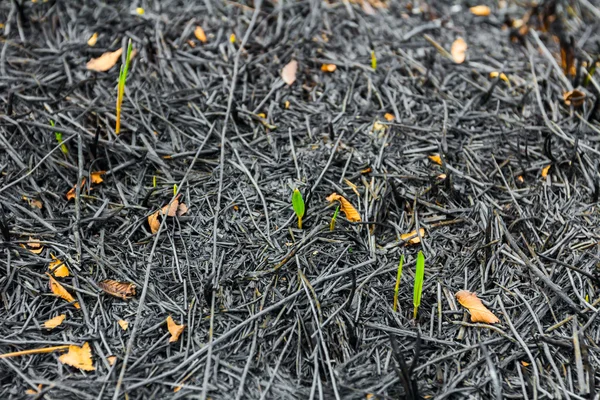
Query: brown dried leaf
{"x": 105, "y": 62}
{"x": 351, "y": 214}
{"x": 169, "y": 211}
{"x": 96, "y": 177}
{"x": 575, "y": 97}
{"x": 34, "y": 392}
{"x": 545, "y": 170}
{"x": 481, "y": 11}
{"x": 182, "y": 209}
{"x": 122, "y": 290}
{"x": 174, "y": 329}
{"x": 459, "y": 50}
{"x": 200, "y": 35}
{"x": 479, "y": 312}
{"x": 154, "y": 222}
{"x": 58, "y": 268}
{"x": 123, "y": 324}
{"x": 436, "y": 159}
{"x": 112, "y": 359}
{"x": 71, "y": 193}
{"x": 328, "y": 67}
{"x": 288, "y": 73}
{"x": 414, "y": 238}
{"x": 34, "y": 246}
{"x": 61, "y": 292}
{"x": 93, "y": 39}
{"x": 389, "y": 117}
{"x": 54, "y": 322}
{"x": 79, "y": 357}
{"x": 33, "y": 203}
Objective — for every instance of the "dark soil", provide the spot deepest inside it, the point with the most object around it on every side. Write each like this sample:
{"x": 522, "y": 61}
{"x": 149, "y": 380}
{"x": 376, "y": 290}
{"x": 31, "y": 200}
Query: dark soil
{"x": 273, "y": 311}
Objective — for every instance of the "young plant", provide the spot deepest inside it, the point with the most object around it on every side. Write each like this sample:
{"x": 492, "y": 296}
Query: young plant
{"x": 298, "y": 205}
{"x": 419, "y": 276}
{"x": 58, "y": 136}
{"x": 334, "y": 218}
{"x": 397, "y": 287}
{"x": 121, "y": 90}
{"x": 373, "y": 60}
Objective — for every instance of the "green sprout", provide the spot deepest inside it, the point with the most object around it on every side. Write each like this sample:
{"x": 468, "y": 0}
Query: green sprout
{"x": 419, "y": 276}
{"x": 397, "y": 287}
{"x": 298, "y": 205}
{"x": 589, "y": 75}
{"x": 334, "y": 218}
{"x": 58, "y": 136}
{"x": 121, "y": 90}
{"x": 373, "y": 60}
{"x": 174, "y": 189}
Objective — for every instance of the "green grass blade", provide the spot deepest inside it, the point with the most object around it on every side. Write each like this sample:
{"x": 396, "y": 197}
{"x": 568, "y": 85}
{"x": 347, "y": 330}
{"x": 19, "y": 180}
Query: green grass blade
{"x": 298, "y": 205}
{"x": 419, "y": 276}
{"x": 58, "y": 136}
{"x": 334, "y": 218}
{"x": 398, "y": 278}
{"x": 373, "y": 60}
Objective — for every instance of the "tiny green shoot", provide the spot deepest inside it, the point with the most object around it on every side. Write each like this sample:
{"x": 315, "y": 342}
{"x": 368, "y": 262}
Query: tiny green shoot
{"x": 373, "y": 60}
{"x": 419, "y": 276}
{"x": 174, "y": 189}
{"x": 154, "y": 181}
{"x": 58, "y": 136}
{"x": 398, "y": 278}
{"x": 298, "y": 205}
{"x": 334, "y": 218}
{"x": 121, "y": 89}
{"x": 589, "y": 75}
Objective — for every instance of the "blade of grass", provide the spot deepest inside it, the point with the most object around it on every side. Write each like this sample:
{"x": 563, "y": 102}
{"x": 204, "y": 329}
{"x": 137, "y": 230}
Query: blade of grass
{"x": 334, "y": 218}
{"x": 58, "y": 136}
{"x": 419, "y": 276}
{"x": 121, "y": 90}
{"x": 398, "y": 278}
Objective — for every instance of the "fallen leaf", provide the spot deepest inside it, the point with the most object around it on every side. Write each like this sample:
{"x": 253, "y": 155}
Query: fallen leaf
{"x": 34, "y": 391}
{"x": 520, "y": 179}
{"x": 71, "y": 193}
{"x": 441, "y": 176}
{"x": 288, "y": 73}
{"x": 122, "y": 290}
{"x": 154, "y": 222}
{"x": 479, "y": 312}
{"x": 414, "y": 238}
{"x": 378, "y": 126}
{"x": 58, "y": 268}
{"x": 436, "y": 159}
{"x": 351, "y": 214}
{"x": 93, "y": 39}
{"x": 182, "y": 209}
{"x": 287, "y": 104}
{"x": 545, "y": 170}
{"x": 389, "y": 117}
{"x": 79, "y": 357}
{"x": 34, "y": 246}
{"x": 459, "y": 50}
{"x": 174, "y": 329}
{"x": 54, "y": 322}
{"x": 525, "y": 363}
{"x": 480, "y": 11}
{"x": 191, "y": 43}
{"x": 495, "y": 74}
{"x": 200, "y": 35}
{"x": 123, "y": 324}
{"x": 105, "y": 62}
{"x": 61, "y": 292}
{"x": 96, "y": 177}
{"x": 352, "y": 186}
{"x": 112, "y": 359}
{"x": 328, "y": 67}
{"x": 169, "y": 211}
{"x": 575, "y": 97}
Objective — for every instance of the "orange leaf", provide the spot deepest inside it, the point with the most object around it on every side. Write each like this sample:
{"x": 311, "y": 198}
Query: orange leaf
{"x": 328, "y": 67}
{"x": 34, "y": 392}
{"x": 105, "y": 62}
{"x": 288, "y": 73}
{"x": 93, "y": 39}
{"x": 414, "y": 238}
{"x": 351, "y": 214}
{"x": 79, "y": 357}
{"x": 111, "y": 359}
{"x": 200, "y": 35}
{"x": 34, "y": 246}
{"x": 545, "y": 170}
{"x": 123, "y": 324}
{"x": 97, "y": 176}
{"x": 170, "y": 211}
{"x": 71, "y": 193}
{"x": 61, "y": 292}
{"x": 182, "y": 209}
{"x": 174, "y": 329}
{"x": 154, "y": 222}
{"x": 122, "y": 290}
{"x": 54, "y": 322}
{"x": 480, "y": 11}
{"x": 575, "y": 97}
{"x": 58, "y": 268}
{"x": 459, "y": 50}
{"x": 436, "y": 159}
{"x": 479, "y": 312}
{"x": 389, "y": 117}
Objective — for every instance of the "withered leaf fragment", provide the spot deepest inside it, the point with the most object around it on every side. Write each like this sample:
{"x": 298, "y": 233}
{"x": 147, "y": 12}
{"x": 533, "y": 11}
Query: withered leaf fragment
{"x": 105, "y": 62}
{"x": 79, "y": 357}
{"x": 122, "y": 290}
{"x": 479, "y": 312}
{"x": 351, "y": 213}
{"x": 174, "y": 329}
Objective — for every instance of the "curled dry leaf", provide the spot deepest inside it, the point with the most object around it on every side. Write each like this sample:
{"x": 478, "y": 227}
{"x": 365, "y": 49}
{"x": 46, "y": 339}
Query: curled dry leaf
{"x": 79, "y": 357}
{"x": 182, "y": 209}
{"x": 436, "y": 159}
{"x": 71, "y": 193}
{"x": 412, "y": 237}
{"x": 328, "y": 67}
{"x": 58, "y": 268}
{"x": 54, "y": 322}
{"x": 175, "y": 209}
{"x": 200, "y": 35}
{"x": 480, "y": 11}
{"x": 479, "y": 312}
{"x": 545, "y": 170}
{"x": 123, "y": 324}
{"x": 174, "y": 329}
{"x": 93, "y": 39}
{"x": 575, "y": 97}
{"x": 34, "y": 246}
{"x": 122, "y": 290}
{"x": 351, "y": 214}
{"x": 61, "y": 292}
{"x": 112, "y": 360}
{"x": 288, "y": 73}
{"x": 105, "y": 62}
{"x": 459, "y": 50}
{"x": 388, "y": 117}
{"x": 33, "y": 203}
{"x": 96, "y": 177}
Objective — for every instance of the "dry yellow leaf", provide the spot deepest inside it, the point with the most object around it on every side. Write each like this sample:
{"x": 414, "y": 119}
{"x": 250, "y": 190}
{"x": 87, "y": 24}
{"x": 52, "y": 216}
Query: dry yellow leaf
{"x": 122, "y": 290}
{"x": 575, "y": 97}
{"x": 378, "y": 126}
{"x": 495, "y": 74}
{"x": 154, "y": 222}
{"x": 414, "y": 238}
{"x": 351, "y": 214}
{"x": 79, "y": 357}
{"x": 545, "y": 170}
{"x": 328, "y": 67}
{"x": 175, "y": 209}
{"x": 34, "y": 246}
{"x": 34, "y": 392}
{"x": 287, "y": 104}
{"x": 389, "y": 117}
{"x": 61, "y": 292}
{"x": 200, "y": 35}
{"x": 93, "y": 39}
{"x": 288, "y": 73}
{"x": 436, "y": 159}
{"x": 112, "y": 359}
{"x": 520, "y": 179}
{"x": 481, "y": 11}
{"x": 479, "y": 312}
{"x": 459, "y": 50}
{"x": 352, "y": 186}
{"x": 105, "y": 62}
{"x": 174, "y": 329}
{"x": 71, "y": 193}
{"x": 96, "y": 177}
{"x": 123, "y": 324}
{"x": 58, "y": 268}
{"x": 54, "y": 322}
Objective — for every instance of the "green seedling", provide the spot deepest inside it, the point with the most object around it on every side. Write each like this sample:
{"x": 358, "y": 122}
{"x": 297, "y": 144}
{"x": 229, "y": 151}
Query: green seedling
{"x": 298, "y": 205}
{"x": 373, "y": 60}
{"x": 588, "y": 76}
{"x": 154, "y": 181}
{"x": 121, "y": 90}
{"x": 174, "y": 189}
{"x": 334, "y": 218}
{"x": 419, "y": 276}
{"x": 397, "y": 287}
{"x": 58, "y": 136}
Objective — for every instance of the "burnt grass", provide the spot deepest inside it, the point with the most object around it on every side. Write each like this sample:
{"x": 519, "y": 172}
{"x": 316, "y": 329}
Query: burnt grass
{"x": 272, "y": 311}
